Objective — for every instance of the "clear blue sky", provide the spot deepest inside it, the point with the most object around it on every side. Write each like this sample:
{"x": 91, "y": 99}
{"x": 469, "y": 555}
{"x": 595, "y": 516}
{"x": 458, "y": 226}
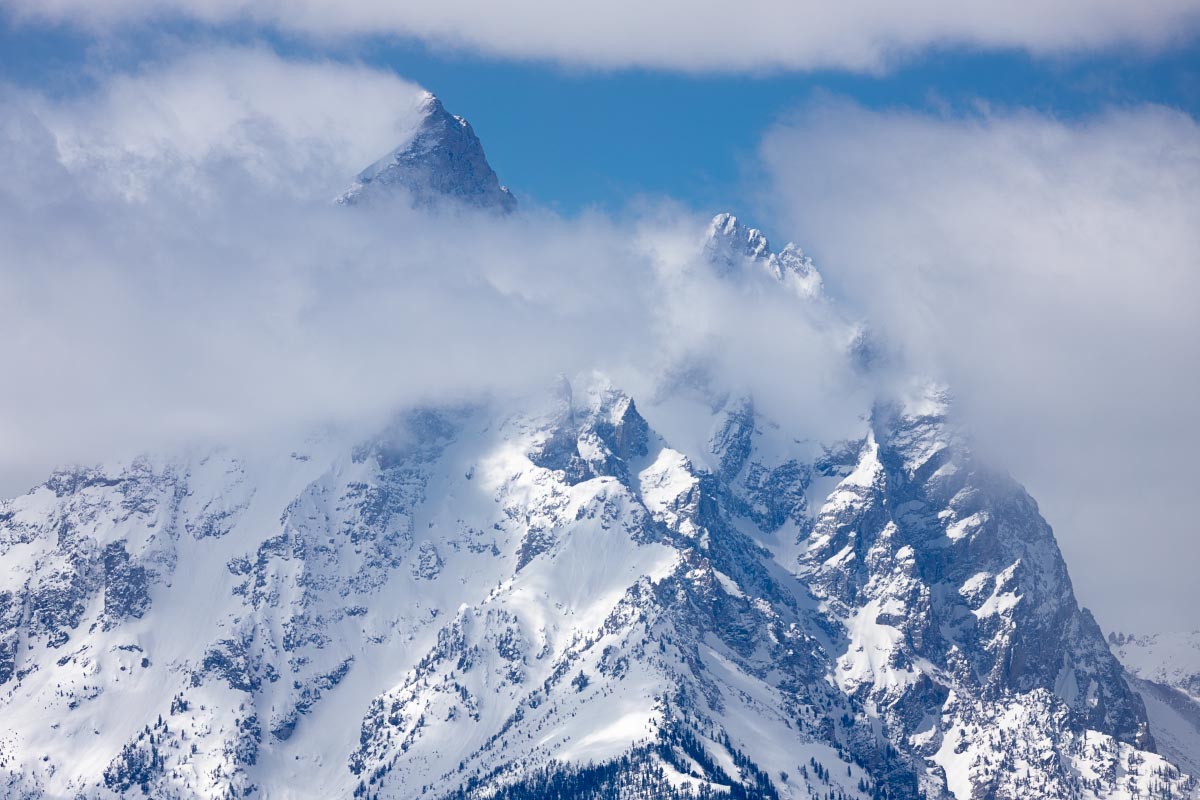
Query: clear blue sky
{"x": 570, "y": 138}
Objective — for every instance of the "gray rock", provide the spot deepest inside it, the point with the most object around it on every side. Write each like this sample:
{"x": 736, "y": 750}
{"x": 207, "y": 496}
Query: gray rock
{"x": 443, "y": 161}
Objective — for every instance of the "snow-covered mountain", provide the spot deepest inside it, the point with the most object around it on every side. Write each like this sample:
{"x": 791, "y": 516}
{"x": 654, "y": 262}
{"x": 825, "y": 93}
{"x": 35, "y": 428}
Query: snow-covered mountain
{"x": 442, "y": 160}
{"x": 573, "y": 593}
{"x": 1164, "y": 668}
{"x": 1172, "y": 659}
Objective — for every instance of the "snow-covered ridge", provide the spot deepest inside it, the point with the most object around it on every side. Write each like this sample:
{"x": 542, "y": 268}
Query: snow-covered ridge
{"x": 731, "y": 243}
{"x": 481, "y": 596}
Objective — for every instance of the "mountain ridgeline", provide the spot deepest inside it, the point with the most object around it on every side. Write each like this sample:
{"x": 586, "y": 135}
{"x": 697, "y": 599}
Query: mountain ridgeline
{"x": 576, "y": 594}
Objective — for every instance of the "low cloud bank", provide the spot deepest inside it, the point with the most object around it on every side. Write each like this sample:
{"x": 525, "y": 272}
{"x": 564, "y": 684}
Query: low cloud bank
{"x": 174, "y": 269}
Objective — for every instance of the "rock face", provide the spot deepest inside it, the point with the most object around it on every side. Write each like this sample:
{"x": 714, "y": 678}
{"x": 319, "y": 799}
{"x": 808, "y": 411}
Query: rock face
{"x": 731, "y": 245}
{"x": 444, "y": 160}
{"x": 577, "y": 593}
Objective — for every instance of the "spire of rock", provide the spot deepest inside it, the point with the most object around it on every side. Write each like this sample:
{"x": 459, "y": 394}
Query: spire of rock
{"x": 731, "y": 244}
{"x": 444, "y": 160}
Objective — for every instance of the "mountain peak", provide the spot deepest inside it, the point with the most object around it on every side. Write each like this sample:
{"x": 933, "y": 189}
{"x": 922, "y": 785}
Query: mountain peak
{"x": 732, "y": 244}
{"x": 729, "y": 240}
{"x": 444, "y": 160}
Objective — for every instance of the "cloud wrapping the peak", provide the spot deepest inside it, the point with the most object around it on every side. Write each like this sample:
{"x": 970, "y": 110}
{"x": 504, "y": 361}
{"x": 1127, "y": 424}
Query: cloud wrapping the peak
{"x": 696, "y": 36}
{"x": 175, "y": 269}
{"x": 1050, "y": 272}
{"x": 295, "y": 126}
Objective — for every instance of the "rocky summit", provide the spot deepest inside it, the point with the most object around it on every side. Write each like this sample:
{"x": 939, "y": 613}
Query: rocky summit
{"x": 577, "y": 593}
{"x": 443, "y": 161}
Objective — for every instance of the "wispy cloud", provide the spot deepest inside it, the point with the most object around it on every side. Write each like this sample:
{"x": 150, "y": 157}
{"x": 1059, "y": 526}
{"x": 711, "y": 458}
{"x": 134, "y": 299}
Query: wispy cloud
{"x": 700, "y": 36}
{"x": 174, "y": 268}
{"x": 1051, "y": 272}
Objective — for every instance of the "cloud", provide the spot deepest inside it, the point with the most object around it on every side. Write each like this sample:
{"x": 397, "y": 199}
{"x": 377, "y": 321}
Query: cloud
{"x": 174, "y": 269}
{"x": 1050, "y": 271}
{"x": 701, "y": 35}
{"x": 290, "y": 126}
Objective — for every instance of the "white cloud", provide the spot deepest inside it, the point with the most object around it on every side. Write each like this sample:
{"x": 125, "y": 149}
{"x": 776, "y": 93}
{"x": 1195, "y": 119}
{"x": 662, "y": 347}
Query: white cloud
{"x": 697, "y": 35}
{"x": 1051, "y": 271}
{"x": 173, "y": 267}
{"x": 298, "y": 127}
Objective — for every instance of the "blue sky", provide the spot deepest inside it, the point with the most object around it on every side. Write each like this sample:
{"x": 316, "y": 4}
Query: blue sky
{"x": 575, "y": 137}
{"x": 572, "y": 137}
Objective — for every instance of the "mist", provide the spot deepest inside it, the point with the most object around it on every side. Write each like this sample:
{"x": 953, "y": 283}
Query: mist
{"x": 175, "y": 271}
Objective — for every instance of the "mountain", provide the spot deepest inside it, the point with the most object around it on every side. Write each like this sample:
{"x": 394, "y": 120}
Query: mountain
{"x": 444, "y": 159}
{"x": 1164, "y": 668}
{"x": 575, "y": 593}
{"x": 1171, "y": 659}
{"x": 730, "y": 244}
